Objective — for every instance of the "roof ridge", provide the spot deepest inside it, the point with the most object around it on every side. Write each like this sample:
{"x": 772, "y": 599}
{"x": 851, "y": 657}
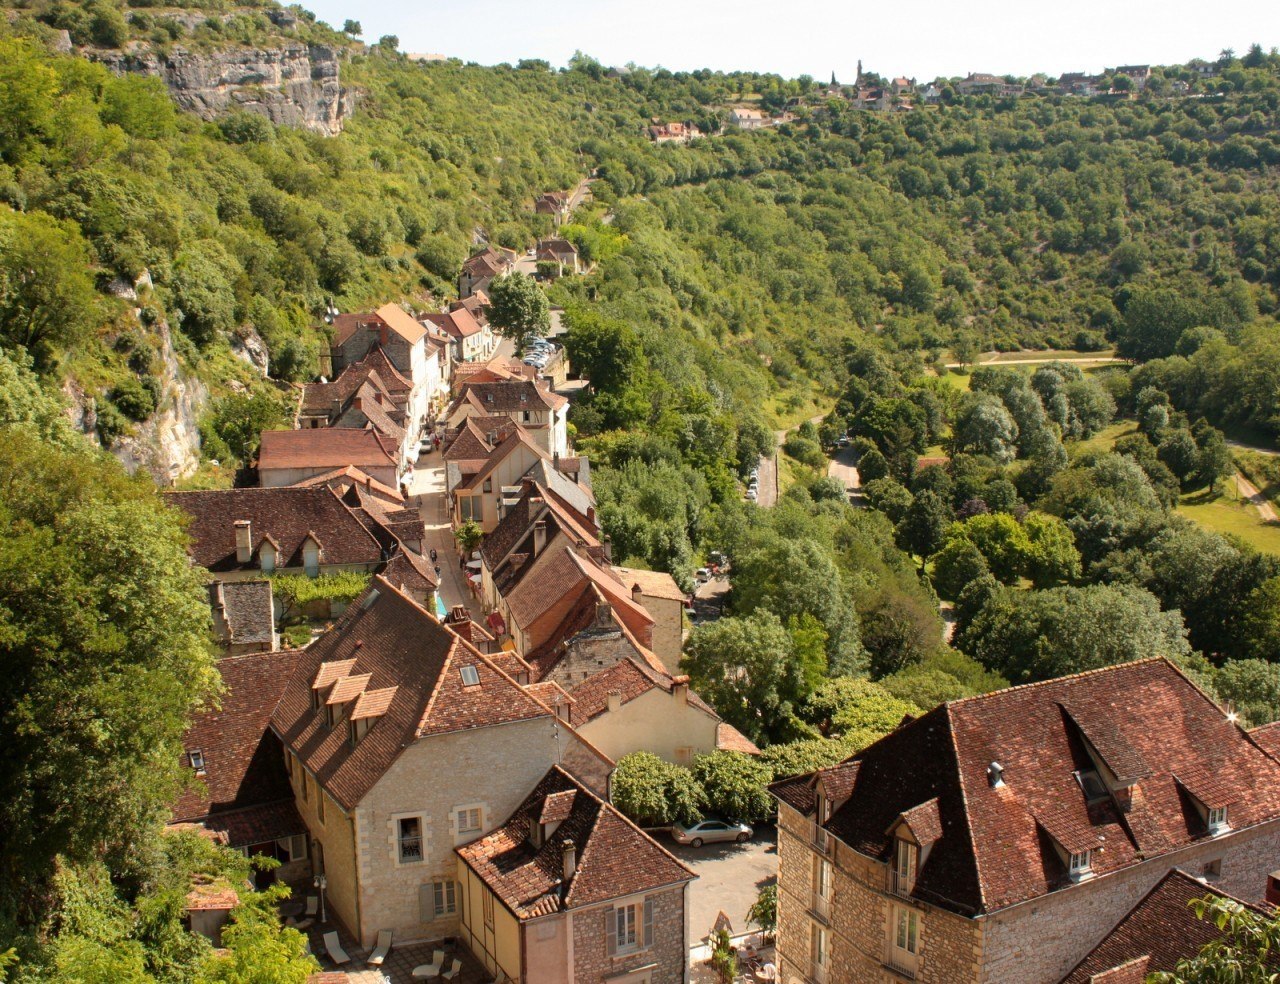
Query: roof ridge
{"x": 614, "y": 811}
{"x": 1097, "y": 670}
{"x": 964, "y": 799}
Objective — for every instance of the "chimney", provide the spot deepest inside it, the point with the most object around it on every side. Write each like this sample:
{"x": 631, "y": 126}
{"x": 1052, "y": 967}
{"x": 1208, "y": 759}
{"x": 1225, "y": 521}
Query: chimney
{"x": 569, "y": 856}
{"x": 995, "y": 775}
{"x": 606, "y": 543}
{"x": 458, "y": 614}
{"x": 244, "y": 541}
{"x": 614, "y": 699}
{"x": 636, "y": 593}
{"x": 680, "y": 687}
{"x": 539, "y": 536}
{"x": 357, "y": 403}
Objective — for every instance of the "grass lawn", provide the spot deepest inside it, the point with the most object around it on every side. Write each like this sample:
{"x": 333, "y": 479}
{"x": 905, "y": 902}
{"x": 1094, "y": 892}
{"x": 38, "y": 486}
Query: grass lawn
{"x": 1036, "y": 354}
{"x": 1105, "y": 439}
{"x": 786, "y": 414}
{"x": 1226, "y": 513}
{"x": 956, "y": 380}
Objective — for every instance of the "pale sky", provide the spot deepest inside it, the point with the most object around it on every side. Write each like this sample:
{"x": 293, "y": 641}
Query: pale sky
{"x": 923, "y": 39}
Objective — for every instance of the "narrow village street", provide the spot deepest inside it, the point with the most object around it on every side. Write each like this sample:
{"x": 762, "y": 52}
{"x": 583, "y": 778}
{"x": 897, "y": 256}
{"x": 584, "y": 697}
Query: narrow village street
{"x": 427, "y": 492}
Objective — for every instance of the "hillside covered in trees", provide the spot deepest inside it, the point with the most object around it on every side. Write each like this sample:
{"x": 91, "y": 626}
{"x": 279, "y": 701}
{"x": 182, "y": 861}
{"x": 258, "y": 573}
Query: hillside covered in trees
{"x": 744, "y": 282}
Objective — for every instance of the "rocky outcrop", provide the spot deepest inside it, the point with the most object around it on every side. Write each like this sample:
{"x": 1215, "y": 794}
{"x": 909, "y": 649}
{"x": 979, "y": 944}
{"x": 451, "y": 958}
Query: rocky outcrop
{"x": 295, "y": 84}
{"x": 167, "y": 444}
{"x": 248, "y": 346}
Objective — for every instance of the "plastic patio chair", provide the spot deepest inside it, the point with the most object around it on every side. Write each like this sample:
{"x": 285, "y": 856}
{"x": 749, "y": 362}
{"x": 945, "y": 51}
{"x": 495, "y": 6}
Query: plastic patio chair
{"x": 334, "y": 948}
{"x": 380, "y": 951}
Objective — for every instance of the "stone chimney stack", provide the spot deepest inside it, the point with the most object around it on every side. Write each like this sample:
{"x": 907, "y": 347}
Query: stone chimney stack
{"x": 606, "y": 543}
{"x": 539, "y": 537}
{"x": 614, "y": 699}
{"x": 636, "y": 594}
{"x": 244, "y": 541}
{"x": 681, "y": 688}
{"x": 569, "y": 857}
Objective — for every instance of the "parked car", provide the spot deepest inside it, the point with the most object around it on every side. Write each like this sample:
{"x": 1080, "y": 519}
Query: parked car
{"x": 752, "y": 495}
{"x": 710, "y": 832}
{"x": 703, "y": 574}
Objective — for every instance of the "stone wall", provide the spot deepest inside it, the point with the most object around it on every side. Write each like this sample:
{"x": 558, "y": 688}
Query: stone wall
{"x": 1039, "y": 941}
{"x": 666, "y": 951}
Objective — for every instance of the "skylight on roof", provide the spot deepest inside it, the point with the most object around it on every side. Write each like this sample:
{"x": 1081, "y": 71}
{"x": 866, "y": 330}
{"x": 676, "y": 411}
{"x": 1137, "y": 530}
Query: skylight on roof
{"x": 470, "y": 676}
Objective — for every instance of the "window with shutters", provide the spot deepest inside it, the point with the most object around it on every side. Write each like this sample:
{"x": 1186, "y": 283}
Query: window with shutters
{"x": 630, "y": 927}
{"x": 438, "y": 899}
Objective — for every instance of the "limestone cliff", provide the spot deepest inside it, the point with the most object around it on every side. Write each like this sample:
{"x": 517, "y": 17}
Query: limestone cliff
{"x": 167, "y": 444}
{"x": 295, "y": 84}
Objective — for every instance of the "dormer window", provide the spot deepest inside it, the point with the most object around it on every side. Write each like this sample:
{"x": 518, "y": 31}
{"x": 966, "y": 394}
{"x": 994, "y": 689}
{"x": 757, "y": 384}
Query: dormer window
{"x": 470, "y": 676}
{"x": 1094, "y": 788}
{"x": 1081, "y": 865}
{"x": 196, "y": 758}
{"x": 905, "y": 858}
{"x": 1217, "y": 819}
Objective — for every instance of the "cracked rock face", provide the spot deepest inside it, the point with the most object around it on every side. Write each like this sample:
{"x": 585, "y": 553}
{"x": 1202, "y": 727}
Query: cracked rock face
{"x": 294, "y": 85}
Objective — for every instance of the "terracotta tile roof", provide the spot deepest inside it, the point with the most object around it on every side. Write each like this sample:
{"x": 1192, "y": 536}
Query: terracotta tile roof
{"x": 510, "y": 396}
{"x": 373, "y": 703}
{"x": 257, "y": 824}
{"x": 379, "y": 419}
{"x": 557, "y": 807}
{"x": 401, "y": 322}
{"x": 1267, "y": 737}
{"x": 477, "y": 437}
{"x": 615, "y": 858}
{"x": 216, "y": 896}
{"x": 1153, "y": 936}
{"x": 924, "y": 822}
{"x": 342, "y": 479}
{"x": 992, "y": 852}
{"x": 655, "y": 584}
{"x": 400, "y": 645}
{"x": 243, "y": 766}
{"x": 487, "y": 263}
{"x": 332, "y": 397}
{"x": 625, "y": 678}
{"x": 396, "y": 382}
{"x": 247, "y": 609}
{"x": 730, "y": 739}
{"x": 476, "y": 305}
{"x": 457, "y": 324}
{"x": 348, "y": 688}
{"x": 409, "y": 571}
{"x": 286, "y": 515}
{"x": 325, "y": 447}
{"x": 516, "y": 527}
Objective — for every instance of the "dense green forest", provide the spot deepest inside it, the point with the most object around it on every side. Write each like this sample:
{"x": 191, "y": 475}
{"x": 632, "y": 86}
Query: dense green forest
{"x": 746, "y": 282}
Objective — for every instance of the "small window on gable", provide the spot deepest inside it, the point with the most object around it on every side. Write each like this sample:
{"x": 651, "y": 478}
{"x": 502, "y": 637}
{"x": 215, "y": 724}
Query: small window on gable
{"x": 196, "y": 758}
{"x": 470, "y": 676}
{"x": 488, "y": 485}
{"x": 1081, "y": 863}
{"x": 1217, "y": 819}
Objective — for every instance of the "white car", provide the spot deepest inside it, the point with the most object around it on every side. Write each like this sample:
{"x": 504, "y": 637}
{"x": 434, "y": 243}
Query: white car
{"x": 752, "y": 495}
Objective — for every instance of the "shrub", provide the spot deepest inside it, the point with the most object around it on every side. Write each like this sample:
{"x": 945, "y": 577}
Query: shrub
{"x": 734, "y": 785}
{"x": 654, "y": 793}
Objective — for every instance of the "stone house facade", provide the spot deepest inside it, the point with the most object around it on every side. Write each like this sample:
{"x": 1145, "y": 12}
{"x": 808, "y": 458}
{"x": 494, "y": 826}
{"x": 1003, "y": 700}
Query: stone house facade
{"x": 567, "y": 889}
{"x": 1000, "y": 838}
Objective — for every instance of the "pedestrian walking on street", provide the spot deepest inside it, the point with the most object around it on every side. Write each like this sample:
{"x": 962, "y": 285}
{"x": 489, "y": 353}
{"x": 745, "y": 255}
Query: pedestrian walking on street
{"x": 434, "y": 556}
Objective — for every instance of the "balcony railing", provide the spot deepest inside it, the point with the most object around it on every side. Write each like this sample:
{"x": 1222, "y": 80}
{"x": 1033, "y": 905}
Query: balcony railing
{"x": 821, "y": 907}
{"x": 902, "y": 963}
{"x": 410, "y": 848}
{"x": 900, "y": 884}
{"x": 818, "y": 973}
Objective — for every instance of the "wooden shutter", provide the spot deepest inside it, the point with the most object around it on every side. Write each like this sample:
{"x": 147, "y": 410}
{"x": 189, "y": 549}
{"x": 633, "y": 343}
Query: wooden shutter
{"x": 611, "y": 930}
{"x": 426, "y": 902}
{"x": 648, "y": 922}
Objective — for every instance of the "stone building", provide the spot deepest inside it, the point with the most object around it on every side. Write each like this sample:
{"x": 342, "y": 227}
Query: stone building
{"x": 1000, "y": 838}
{"x": 569, "y": 890}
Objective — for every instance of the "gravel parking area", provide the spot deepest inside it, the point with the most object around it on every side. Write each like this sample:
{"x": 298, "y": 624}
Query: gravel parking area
{"x": 730, "y": 877}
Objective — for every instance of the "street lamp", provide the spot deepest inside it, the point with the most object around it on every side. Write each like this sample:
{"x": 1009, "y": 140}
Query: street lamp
{"x": 321, "y": 883}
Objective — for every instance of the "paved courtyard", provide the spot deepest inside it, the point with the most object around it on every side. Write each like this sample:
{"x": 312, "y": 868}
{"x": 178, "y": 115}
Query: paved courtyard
{"x": 730, "y": 877}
